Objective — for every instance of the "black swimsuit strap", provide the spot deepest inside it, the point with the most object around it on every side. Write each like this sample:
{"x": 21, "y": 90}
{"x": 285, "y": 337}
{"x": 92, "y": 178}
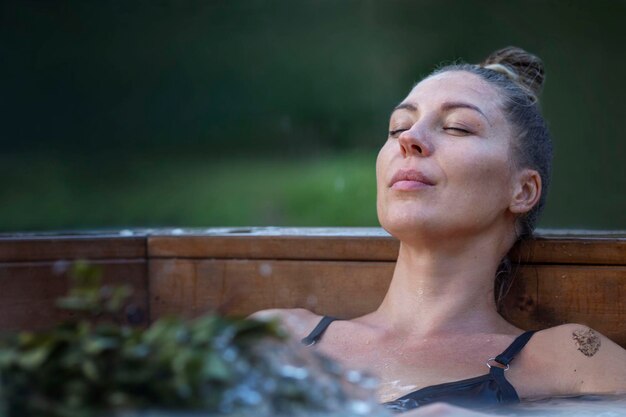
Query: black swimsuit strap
{"x": 507, "y": 392}
{"x": 518, "y": 344}
{"x": 318, "y": 331}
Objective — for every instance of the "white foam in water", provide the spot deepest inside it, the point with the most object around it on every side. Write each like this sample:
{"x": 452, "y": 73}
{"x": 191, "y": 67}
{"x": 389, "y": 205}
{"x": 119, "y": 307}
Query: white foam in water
{"x": 581, "y": 406}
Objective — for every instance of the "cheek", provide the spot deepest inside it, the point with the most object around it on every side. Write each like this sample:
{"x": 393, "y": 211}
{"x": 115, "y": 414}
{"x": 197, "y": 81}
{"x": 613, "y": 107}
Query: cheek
{"x": 382, "y": 166}
{"x": 382, "y": 162}
{"x": 482, "y": 179}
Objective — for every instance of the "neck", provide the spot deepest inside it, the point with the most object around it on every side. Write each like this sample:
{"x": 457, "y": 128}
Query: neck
{"x": 448, "y": 288}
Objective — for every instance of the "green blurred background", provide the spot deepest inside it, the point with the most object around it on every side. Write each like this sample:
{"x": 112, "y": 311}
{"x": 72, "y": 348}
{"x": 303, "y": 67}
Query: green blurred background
{"x": 230, "y": 113}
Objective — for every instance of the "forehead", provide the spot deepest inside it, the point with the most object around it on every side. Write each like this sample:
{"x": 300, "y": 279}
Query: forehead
{"x": 456, "y": 86}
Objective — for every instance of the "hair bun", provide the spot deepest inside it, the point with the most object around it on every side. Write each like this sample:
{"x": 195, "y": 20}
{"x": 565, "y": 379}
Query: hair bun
{"x": 522, "y": 67}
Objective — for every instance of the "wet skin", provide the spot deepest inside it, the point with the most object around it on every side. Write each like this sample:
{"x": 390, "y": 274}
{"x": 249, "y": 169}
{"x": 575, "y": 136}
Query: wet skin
{"x": 450, "y": 129}
{"x": 449, "y": 189}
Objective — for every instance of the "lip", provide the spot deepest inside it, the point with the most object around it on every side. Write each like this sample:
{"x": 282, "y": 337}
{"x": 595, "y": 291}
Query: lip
{"x": 409, "y": 180}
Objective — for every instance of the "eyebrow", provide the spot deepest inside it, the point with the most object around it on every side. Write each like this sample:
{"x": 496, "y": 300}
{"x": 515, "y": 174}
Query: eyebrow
{"x": 406, "y": 106}
{"x": 449, "y": 105}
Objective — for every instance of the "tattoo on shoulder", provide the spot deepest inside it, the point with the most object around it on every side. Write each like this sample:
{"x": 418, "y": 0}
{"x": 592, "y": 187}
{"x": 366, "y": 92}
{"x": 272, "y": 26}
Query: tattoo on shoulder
{"x": 587, "y": 341}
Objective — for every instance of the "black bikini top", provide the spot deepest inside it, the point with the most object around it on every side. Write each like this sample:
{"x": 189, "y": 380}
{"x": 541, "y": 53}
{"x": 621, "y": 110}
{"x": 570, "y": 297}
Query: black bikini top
{"x": 478, "y": 392}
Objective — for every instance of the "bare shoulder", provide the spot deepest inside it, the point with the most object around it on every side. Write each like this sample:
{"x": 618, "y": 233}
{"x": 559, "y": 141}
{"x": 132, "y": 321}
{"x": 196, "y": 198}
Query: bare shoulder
{"x": 297, "y": 321}
{"x": 577, "y": 341}
{"x": 587, "y": 360}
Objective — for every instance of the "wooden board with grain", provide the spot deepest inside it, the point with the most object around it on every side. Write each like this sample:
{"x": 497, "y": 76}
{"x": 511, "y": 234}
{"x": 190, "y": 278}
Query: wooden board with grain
{"x": 353, "y": 248}
{"x": 565, "y": 277}
{"x": 29, "y": 291}
{"x": 543, "y": 295}
{"x": 371, "y": 245}
{"x": 568, "y": 250}
{"x": 548, "y": 295}
{"x": 241, "y": 287}
{"x": 46, "y": 248}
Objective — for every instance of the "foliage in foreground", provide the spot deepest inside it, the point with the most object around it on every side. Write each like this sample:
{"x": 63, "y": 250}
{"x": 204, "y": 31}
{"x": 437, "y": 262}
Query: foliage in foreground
{"x": 215, "y": 364}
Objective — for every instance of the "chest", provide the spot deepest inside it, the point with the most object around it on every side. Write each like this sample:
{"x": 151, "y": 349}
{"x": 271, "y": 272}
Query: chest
{"x": 403, "y": 366}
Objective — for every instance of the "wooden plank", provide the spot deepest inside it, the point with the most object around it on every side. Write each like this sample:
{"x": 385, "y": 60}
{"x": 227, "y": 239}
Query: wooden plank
{"x": 370, "y": 246}
{"x": 43, "y": 248}
{"x": 360, "y": 244}
{"x": 549, "y": 295}
{"x": 241, "y": 287}
{"x": 569, "y": 250}
{"x": 275, "y": 247}
{"x": 313, "y": 268}
{"x": 543, "y": 296}
{"x": 29, "y": 291}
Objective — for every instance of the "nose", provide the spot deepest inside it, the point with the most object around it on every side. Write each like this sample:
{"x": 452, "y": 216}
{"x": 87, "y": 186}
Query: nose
{"x": 413, "y": 142}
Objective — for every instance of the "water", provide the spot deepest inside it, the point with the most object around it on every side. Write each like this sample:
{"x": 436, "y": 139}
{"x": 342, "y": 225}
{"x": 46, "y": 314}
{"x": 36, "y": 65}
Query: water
{"x": 584, "y": 406}
{"x": 279, "y": 379}
{"x": 576, "y": 406}
{"x": 581, "y": 406}
{"x": 286, "y": 380}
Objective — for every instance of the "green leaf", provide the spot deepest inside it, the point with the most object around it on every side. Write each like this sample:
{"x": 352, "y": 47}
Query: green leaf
{"x": 80, "y": 368}
{"x": 215, "y": 368}
{"x": 90, "y": 370}
{"x": 34, "y": 358}
{"x": 7, "y": 357}
{"x": 97, "y": 345}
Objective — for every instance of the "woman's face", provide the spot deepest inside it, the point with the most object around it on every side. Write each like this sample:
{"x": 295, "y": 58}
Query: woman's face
{"x": 446, "y": 167}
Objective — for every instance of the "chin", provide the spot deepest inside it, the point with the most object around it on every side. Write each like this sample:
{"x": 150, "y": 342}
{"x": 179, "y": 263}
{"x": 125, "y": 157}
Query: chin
{"x": 408, "y": 226}
{"x": 414, "y": 225}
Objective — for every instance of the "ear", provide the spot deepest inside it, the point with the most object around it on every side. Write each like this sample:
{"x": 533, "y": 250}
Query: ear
{"x": 526, "y": 191}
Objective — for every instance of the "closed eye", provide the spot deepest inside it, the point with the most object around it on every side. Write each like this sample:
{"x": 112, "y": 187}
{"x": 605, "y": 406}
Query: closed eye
{"x": 457, "y": 130}
{"x": 396, "y": 132}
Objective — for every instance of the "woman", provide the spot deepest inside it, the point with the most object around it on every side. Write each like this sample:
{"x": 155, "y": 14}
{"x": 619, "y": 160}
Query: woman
{"x": 462, "y": 176}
